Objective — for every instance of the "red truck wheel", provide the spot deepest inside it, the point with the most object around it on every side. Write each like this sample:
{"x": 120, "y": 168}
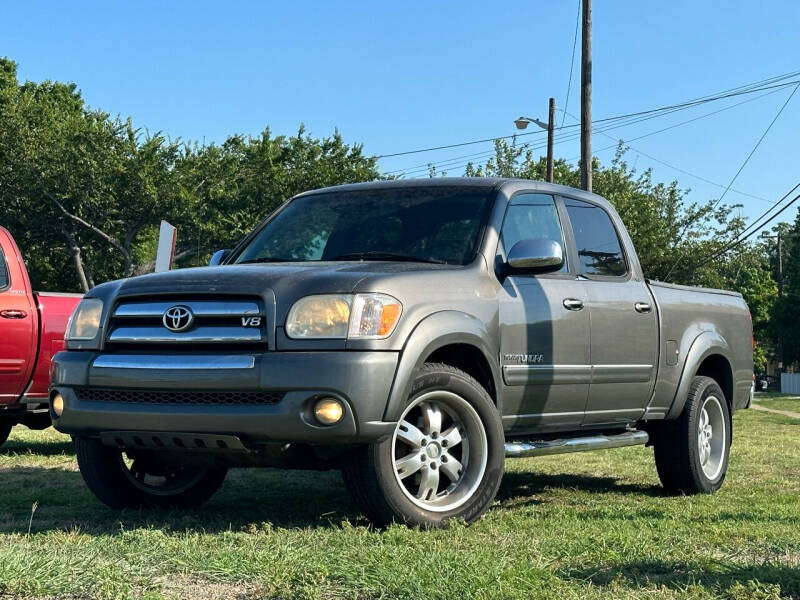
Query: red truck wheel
{"x": 5, "y": 431}
{"x": 120, "y": 482}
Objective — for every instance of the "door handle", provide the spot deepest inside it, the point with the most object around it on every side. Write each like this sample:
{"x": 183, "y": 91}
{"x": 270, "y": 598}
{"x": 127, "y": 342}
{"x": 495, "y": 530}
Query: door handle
{"x": 642, "y": 307}
{"x": 573, "y": 304}
{"x": 13, "y": 314}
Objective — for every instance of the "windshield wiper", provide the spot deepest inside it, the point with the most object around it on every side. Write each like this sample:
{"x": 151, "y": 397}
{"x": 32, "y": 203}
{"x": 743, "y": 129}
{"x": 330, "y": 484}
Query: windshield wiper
{"x": 268, "y": 259}
{"x": 388, "y": 256}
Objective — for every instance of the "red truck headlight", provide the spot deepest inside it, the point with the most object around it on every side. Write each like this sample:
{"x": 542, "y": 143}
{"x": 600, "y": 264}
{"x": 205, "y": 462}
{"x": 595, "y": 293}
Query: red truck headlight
{"x": 85, "y": 321}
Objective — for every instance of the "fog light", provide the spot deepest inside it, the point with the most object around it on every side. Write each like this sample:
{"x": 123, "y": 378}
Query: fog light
{"x": 328, "y": 411}
{"x": 58, "y": 404}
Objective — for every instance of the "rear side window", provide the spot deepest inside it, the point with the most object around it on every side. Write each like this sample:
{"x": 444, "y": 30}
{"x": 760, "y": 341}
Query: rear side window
{"x": 3, "y": 271}
{"x": 530, "y": 217}
{"x": 599, "y": 248}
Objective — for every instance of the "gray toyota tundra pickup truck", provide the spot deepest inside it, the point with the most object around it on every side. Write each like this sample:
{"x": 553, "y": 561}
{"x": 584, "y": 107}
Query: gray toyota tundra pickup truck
{"x": 413, "y": 334}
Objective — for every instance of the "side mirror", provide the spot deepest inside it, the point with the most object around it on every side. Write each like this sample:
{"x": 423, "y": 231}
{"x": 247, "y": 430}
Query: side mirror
{"x": 539, "y": 255}
{"x": 218, "y": 257}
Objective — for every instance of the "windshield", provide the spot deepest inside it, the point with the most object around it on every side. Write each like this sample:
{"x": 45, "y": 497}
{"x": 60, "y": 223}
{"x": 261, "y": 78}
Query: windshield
{"x": 425, "y": 224}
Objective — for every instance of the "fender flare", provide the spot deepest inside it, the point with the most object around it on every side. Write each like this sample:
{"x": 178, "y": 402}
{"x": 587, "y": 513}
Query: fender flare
{"x": 703, "y": 346}
{"x": 431, "y": 333}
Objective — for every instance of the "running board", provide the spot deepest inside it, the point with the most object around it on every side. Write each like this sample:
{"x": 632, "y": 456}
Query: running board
{"x": 578, "y": 444}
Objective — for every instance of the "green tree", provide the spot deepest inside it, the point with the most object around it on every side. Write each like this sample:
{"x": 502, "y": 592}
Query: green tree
{"x": 84, "y": 193}
{"x": 230, "y": 187}
{"x": 784, "y": 324}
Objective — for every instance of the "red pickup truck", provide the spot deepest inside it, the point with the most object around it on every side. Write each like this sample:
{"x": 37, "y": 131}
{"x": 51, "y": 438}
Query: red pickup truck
{"x": 32, "y": 327}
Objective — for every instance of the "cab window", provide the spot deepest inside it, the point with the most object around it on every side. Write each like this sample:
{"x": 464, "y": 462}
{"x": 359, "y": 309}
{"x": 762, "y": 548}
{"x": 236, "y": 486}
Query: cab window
{"x": 599, "y": 249}
{"x": 532, "y": 216}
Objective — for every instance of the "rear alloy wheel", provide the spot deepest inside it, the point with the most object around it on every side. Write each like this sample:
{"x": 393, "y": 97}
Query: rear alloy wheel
{"x": 444, "y": 460}
{"x": 144, "y": 479}
{"x": 692, "y": 452}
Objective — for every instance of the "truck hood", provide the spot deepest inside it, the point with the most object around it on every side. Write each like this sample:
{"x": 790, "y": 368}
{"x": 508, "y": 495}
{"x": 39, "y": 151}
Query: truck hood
{"x": 422, "y": 288}
{"x": 285, "y": 282}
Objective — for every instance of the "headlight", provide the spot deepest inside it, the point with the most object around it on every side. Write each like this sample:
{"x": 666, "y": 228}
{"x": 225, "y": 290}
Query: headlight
{"x": 85, "y": 321}
{"x": 319, "y": 317}
{"x": 330, "y": 316}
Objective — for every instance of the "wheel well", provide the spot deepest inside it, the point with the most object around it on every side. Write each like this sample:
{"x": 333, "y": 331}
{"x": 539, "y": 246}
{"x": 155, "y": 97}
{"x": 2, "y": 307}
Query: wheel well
{"x": 469, "y": 359}
{"x": 718, "y": 368}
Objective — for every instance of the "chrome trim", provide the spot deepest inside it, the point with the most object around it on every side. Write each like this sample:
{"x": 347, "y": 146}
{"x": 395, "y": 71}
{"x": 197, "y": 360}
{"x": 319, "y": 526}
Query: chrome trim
{"x": 200, "y": 308}
{"x": 173, "y": 362}
{"x": 580, "y": 444}
{"x": 574, "y": 374}
{"x": 154, "y": 335}
{"x": 546, "y": 374}
{"x": 621, "y": 373}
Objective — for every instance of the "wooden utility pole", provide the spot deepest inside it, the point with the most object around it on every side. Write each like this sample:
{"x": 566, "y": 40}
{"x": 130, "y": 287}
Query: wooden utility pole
{"x": 551, "y": 125}
{"x": 780, "y": 265}
{"x": 780, "y": 295}
{"x": 586, "y": 96}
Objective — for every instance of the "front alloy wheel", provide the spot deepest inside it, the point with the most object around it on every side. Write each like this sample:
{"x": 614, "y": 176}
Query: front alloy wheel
{"x": 440, "y": 451}
{"x": 444, "y": 460}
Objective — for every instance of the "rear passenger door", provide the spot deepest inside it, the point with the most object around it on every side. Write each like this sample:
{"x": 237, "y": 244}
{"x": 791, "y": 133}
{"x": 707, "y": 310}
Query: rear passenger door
{"x": 624, "y": 327}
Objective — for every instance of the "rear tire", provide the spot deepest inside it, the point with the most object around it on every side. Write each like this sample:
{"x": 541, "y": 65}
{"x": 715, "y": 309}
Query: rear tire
{"x": 445, "y": 460}
{"x": 5, "y": 431}
{"x": 119, "y": 485}
{"x": 692, "y": 452}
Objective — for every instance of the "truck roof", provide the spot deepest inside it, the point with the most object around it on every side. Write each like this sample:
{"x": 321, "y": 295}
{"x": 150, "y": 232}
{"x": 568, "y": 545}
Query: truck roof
{"x": 471, "y": 182}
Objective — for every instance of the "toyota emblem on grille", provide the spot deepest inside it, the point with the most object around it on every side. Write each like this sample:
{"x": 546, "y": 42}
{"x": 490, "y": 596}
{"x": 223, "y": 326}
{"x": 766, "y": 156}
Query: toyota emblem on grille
{"x": 178, "y": 318}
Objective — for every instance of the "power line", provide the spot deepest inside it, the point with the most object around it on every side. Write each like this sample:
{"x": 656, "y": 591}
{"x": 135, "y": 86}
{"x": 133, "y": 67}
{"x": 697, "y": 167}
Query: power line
{"x": 572, "y": 61}
{"x": 679, "y": 169}
{"x": 704, "y": 100}
{"x": 494, "y": 139}
{"x": 758, "y": 143}
{"x": 568, "y": 136}
{"x": 741, "y": 90}
{"x": 754, "y": 227}
{"x": 741, "y": 168}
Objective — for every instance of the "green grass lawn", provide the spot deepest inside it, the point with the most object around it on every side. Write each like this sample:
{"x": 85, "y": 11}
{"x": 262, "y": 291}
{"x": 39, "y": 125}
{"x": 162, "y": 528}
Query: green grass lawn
{"x": 778, "y": 401}
{"x": 592, "y": 525}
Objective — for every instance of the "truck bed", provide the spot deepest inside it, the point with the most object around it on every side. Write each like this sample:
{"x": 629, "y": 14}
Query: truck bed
{"x": 54, "y": 312}
{"x": 687, "y": 317}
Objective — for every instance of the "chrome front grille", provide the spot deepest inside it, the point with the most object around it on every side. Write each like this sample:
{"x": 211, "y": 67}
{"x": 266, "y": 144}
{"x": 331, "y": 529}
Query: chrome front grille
{"x": 137, "y": 322}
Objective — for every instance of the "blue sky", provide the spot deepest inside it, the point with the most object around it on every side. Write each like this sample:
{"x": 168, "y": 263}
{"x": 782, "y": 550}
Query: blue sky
{"x": 403, "y": 75}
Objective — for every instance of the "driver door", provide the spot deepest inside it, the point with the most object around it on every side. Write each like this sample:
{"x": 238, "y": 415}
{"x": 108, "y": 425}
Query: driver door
{"x": 544, "y": 331}
{"x": 18, "y": 326}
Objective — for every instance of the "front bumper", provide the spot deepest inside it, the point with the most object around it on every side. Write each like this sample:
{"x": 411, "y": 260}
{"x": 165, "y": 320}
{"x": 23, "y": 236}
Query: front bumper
{"x": 361, "y": 380}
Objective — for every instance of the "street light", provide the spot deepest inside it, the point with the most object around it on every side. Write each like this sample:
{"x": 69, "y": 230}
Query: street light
{"x": 522, "y": 123}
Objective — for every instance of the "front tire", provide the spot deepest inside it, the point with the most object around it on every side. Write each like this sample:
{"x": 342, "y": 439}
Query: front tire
{"x": 692, "y": 452}
{"x": 144, "y": 481}
{"x": 444, "y": 461}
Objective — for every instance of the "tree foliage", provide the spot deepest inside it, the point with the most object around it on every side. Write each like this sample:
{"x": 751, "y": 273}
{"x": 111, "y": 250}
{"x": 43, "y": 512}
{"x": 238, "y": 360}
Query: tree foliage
{"x": 84, "y": 193}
